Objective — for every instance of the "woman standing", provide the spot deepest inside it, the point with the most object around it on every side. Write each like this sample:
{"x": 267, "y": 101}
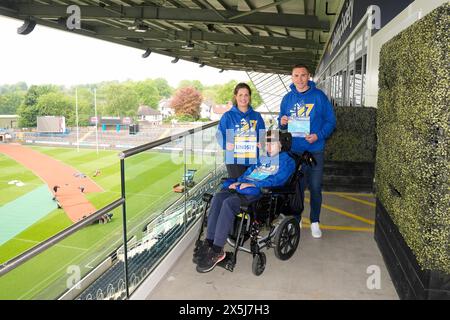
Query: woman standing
{"x": 239, "y": 132}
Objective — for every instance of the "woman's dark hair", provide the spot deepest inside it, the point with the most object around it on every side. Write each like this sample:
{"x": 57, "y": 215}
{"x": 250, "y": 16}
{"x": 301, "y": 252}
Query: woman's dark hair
{"x": 241, "y": 85}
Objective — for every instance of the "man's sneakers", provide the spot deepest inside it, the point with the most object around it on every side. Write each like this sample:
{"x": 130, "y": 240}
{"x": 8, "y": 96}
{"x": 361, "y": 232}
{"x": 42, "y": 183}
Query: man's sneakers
{"x": 210, "y": 259}
{"x": 315, "y": 230}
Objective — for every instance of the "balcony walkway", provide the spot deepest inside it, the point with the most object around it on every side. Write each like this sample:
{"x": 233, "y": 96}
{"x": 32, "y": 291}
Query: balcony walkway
{"x": 334, "y": 267}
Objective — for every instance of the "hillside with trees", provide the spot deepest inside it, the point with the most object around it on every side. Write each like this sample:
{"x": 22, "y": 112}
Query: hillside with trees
{"x": 114, "y": 98}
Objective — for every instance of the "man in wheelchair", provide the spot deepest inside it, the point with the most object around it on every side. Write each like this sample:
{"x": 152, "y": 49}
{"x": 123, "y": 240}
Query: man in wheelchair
{"x": 258, "y": 183}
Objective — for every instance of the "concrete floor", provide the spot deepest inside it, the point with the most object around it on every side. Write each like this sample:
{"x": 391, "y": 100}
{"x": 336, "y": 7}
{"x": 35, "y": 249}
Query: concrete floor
{"x": 333, "y": 267}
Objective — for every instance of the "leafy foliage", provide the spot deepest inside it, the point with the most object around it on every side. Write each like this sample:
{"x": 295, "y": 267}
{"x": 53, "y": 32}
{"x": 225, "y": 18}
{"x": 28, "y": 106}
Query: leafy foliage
{"x": 28, "y": 111}
{"x": 113, "y": 98}
{"x": 413, "y": 165}
{"x": 354, "y": 138}
{"x": 187, "y": 101}
{"x": 224, "y": 94}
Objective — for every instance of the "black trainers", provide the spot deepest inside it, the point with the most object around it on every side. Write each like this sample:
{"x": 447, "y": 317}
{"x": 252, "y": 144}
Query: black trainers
{"x": 200, "y": 251}
{"x": 210, "y": 260}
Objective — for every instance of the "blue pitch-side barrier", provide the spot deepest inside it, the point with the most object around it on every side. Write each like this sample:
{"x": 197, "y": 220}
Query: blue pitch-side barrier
{"x": 21, "y": 213}
{"x": 48, "y": 134}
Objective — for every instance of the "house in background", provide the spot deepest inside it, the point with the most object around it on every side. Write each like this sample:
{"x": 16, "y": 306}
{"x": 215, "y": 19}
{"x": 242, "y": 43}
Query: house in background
{"x": 149, "y": 115}
{"x": 165, "y": 109}
{"x": 9, "y": 121}
{"x": 205, "y": 109}
{"x": 218, "y": 110}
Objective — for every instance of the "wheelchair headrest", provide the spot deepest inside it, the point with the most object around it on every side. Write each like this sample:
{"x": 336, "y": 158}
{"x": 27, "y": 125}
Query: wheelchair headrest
{"x": 285, "y": 138}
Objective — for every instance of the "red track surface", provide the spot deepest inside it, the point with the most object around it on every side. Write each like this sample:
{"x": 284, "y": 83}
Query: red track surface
{"x": 54, "y": 172}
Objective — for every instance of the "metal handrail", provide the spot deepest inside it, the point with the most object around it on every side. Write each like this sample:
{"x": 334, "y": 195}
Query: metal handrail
{"x": 27, "y": 255}
{"x": 39, "y": 248}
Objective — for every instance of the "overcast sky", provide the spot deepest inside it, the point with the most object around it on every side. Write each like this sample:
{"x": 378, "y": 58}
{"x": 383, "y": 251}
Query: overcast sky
{"x": 51, "y": 56}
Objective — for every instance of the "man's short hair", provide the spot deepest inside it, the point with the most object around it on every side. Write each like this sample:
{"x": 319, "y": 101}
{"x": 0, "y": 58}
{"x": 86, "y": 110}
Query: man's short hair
{"x": 301, "y": 66}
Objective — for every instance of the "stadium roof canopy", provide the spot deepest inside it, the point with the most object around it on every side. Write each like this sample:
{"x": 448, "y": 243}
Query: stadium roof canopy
{"x": 249, "y": 35}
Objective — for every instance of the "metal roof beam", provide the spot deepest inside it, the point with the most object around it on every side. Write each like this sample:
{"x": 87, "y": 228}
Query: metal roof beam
{"x": 289, "y": 42}
{"x": 244, "y": 14}
{"x": 296, "y": 21}
{"x": 229, "y": 49}
{"x": 242, "y": 59}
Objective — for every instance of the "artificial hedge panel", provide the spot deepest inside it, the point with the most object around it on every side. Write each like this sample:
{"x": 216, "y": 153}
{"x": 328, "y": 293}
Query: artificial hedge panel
{"x": 354, "y": 138}
{"x": 413, "y": 131}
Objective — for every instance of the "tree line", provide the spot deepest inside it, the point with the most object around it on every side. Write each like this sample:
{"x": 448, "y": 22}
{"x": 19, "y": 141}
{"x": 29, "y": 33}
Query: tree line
{"x": 113, "y": 99}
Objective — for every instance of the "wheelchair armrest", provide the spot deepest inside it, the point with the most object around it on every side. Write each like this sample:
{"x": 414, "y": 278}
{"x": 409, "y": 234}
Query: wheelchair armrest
{"x": 245, "y": 208}
{"x": 207, "y": 197}
{"x": 277, "y": 190}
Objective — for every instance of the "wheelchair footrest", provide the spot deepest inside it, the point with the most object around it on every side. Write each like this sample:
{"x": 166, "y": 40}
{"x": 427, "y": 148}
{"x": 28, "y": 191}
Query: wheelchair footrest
{"x": 227, "y": 263}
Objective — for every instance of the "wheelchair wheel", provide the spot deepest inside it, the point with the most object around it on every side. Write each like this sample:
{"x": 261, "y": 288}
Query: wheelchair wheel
{"x": 259, "y": 263}
{"x": 287, "y": 238}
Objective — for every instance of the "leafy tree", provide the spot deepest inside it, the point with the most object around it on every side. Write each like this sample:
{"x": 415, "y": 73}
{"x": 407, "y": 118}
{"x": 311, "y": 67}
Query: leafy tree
{"x": 28, "y": 111}
{"x": 163, "y": 87}
{"x": 27, "y": 115}
{"x": 85, "y": 103}
{"x": 11, "y": 101}
{"x": 121, "y": 100}
{"x": 225, "y": 93}
{"x": 187, "y": 101}
{"x": 191, "y": 83}
{"x": 57, "y": 104}
{"x": 256, "y": 98}
{"x": 210, "y": 93}
{"x": 147, "y": 93}
{"x": 11, "y": 88}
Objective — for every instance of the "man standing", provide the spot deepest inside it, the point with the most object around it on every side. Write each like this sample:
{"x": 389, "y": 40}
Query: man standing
{"x": 308, "y": 115}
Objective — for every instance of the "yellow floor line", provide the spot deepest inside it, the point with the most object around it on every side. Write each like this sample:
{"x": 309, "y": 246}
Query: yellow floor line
{"x": 345, "y": 213}
{"x": 307, "y": 224}
{"x": 358, "y": 200}
{"x": 345, "y": 228}
{"x": 370, "y": 195}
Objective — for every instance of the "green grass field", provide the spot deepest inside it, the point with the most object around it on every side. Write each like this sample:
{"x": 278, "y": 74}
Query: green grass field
{"x": 11, "y": 170}
{"x": 149, "y": 180}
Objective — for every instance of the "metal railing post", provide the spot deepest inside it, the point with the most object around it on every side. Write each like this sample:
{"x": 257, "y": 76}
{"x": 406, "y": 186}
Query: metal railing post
{"x": 124, "y": 214}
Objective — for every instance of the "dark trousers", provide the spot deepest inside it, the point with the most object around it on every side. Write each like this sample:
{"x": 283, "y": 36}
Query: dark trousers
{"x": 313, "y": 178}
{"x": 224, "y": 208}
{"x": 235, "y": 170}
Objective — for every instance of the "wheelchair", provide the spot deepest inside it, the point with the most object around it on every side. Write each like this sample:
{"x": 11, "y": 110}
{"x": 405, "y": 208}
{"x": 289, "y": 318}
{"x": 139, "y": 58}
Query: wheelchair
{"x": 272, "y": 213}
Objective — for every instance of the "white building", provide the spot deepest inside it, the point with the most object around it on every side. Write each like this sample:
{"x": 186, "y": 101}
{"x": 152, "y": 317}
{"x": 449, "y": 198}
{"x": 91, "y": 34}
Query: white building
{"x": 205, "y": 110}
{"x": 150, "y": 115}
{"x": 165, "y": 109}
{"x": 218, "y": 110}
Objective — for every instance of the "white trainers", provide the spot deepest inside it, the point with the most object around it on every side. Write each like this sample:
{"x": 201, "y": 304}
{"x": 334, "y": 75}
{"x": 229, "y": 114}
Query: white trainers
{"x": 315, "y": 230}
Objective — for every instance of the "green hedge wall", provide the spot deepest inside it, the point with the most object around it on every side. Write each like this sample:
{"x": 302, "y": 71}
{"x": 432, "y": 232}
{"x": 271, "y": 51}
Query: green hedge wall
{"x": 354, "y": 138}
{"x": 413, "y": 130}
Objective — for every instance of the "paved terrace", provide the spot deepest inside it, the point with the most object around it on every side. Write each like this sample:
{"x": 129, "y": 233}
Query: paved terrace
{"x": 334, "y": 267}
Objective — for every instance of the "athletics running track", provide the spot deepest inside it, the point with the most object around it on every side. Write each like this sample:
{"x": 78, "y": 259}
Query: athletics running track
{"x": 54, "y": 172}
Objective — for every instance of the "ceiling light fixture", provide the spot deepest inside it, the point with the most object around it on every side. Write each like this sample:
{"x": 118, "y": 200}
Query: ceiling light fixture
{"x": 27, "y": 27}
{"x": 139, "y": 26}
{"x": 146, "y": 53}
{"x": 188, "y": 46}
